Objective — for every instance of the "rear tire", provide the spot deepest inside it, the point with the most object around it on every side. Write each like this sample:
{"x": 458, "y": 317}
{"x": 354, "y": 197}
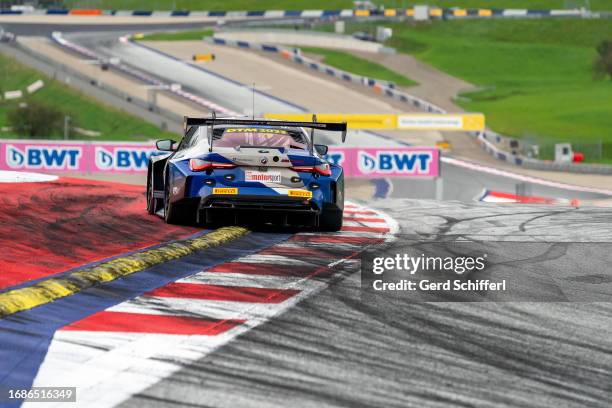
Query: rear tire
{"x": 151, "y": 200}
{"x": 331, "y": 221}
{"x": 177, "y": 214}
{"x": 169, "y": 213}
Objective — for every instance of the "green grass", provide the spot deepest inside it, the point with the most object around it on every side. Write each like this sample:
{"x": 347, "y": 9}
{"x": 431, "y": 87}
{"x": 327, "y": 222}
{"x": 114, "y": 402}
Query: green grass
{"x": 348, "y": 62}
{"x": 535, "y": 75}
{"x": 178, "y": 36}
{"x": 499, "y": 4}
{"x": 85, "y": 111}
{"x": 319, "y": 4}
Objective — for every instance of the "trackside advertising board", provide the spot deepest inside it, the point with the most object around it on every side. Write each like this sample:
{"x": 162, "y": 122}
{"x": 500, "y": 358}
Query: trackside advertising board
{"x": 112, "y": 157}
{"x": 91, "y": 157}
{"x": 410, "y": 161}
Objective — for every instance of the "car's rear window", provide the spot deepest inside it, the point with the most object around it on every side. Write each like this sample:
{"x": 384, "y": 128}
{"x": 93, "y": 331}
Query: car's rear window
{"x": 264, "y": 137}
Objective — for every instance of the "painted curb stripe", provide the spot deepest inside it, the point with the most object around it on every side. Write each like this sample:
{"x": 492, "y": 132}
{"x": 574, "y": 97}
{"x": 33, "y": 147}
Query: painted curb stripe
{"x": 363, "y": 219}
{"x": 364, "y": 229}
{"x": 52, "y": 289}
{"x": 295, "y": 252}
{"x": 143, "y": 323}
{"x": 365, "y": 212}
{"x": 336, "y": 239}
{"x": 263, "y": 269}
{"x": 103, "y": 360}
{"x": 223, "y": 293}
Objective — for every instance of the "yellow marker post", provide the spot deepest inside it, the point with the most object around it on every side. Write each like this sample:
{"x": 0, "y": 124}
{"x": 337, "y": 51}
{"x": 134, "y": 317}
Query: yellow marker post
{"x": 485, "y": 13}
{"x": 390, "y": 12}
{"x": 460, "y": 13}
{"x": 203, "y": 57}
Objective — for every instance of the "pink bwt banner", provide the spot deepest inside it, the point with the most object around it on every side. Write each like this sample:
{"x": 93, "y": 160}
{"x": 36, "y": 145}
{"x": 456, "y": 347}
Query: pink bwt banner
{"x": 407, "y": 161}
{"x": 75, "y": 156}
{"x": 134, "y": 157}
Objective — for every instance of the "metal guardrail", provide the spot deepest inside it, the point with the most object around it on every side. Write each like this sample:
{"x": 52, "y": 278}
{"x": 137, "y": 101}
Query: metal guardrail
{"x": 432, "y": 12}
{"x": 68, "y": 71}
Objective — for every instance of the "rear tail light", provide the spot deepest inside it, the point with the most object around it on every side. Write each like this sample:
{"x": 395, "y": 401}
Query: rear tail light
{"x": 203, "y": 165}
{"x": 323, "y": 169}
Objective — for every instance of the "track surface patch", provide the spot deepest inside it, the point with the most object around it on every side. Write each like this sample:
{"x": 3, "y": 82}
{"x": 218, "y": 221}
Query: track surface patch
{"x": 136, "y": 343}
{"x": 51, "y": 227}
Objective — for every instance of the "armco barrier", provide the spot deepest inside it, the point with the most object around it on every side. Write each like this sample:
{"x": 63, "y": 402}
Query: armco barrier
{"x": 61, "y": 72}
{"x": 112, "y": 157}
{"x": 297, "y": 57}
{"x": 434, "y": 12}
{"x": 382, "y": 87}
{"x": 299, "y": 38}
{"x": 535, "y": 163}
{"x": 140, "y": 75}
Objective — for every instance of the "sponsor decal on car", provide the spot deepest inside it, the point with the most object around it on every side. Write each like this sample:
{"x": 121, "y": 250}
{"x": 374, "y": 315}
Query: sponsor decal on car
{"x": 263, "y": 177}
{"x": 225, "y": 190}
{"x": 256, "y": 130}
{"x": 300, "y": 193}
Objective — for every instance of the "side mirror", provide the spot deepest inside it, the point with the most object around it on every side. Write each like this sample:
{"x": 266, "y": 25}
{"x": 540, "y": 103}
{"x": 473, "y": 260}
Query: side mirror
{"x": 165, "y": 145}
{"x": 321, "y": 149}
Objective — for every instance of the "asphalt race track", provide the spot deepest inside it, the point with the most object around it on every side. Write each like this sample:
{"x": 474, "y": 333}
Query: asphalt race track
{"x": 98, "y": 295}
{"x": 141, "y": 309}
{"x": 342, "y": 349}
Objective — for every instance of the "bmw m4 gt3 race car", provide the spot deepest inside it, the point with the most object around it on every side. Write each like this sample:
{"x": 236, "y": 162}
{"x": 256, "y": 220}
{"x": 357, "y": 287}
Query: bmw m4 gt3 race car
{"x": 230, "y": 171}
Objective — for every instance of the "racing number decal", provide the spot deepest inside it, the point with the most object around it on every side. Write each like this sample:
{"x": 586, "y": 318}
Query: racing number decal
{"x": 226, "y": 190}
{"x": 300, "y": 193}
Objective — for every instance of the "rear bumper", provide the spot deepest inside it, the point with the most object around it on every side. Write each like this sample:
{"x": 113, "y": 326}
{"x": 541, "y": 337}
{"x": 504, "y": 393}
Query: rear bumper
{"x": 258, "y": 203}
{"x": 258, "y": 209}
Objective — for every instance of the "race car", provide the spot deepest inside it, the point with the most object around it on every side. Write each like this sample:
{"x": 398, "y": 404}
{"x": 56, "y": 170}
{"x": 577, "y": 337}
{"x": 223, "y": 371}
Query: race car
{"x": 242, "y": 171}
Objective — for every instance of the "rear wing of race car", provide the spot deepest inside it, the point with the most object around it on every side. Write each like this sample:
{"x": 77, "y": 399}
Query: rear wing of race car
{"x": 188, "y": 122}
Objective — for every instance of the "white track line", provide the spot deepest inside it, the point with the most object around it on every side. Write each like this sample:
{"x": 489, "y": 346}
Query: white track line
{"x": 520, "y": 177}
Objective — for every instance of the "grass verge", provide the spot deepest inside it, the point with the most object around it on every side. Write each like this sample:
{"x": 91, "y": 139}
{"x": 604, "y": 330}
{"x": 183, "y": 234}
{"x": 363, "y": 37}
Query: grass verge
{"x": 177, "y": 36}
{"x": 350, "y": 63}
{"x": 86, "y": 112}
{"x": 535, "y": 76}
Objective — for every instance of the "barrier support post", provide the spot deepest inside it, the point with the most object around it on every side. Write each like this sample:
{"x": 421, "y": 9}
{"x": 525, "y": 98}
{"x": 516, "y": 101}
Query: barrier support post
{"x": 439, "y": 188}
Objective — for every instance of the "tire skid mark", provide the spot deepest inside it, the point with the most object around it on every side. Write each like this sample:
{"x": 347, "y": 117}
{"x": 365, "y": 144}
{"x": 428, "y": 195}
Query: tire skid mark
{"x": 51, "y": 227}
{"x": 290, "y": 272}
